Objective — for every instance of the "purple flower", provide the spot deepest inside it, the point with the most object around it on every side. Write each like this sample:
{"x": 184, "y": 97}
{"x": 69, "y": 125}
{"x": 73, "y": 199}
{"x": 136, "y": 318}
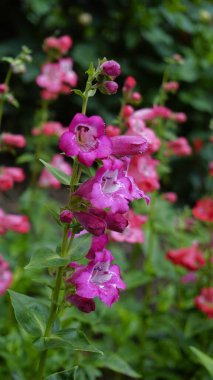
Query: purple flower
{"x": 111, "y": 187}
{"x": 83, "y": 304}
{"x": 98, "y": 279}
{"x": 128, "y": 145}
{"x": 98, "y": 244}
{"x": 86, "y": 139}
{"x": 111, "y": 68}
{"x": 96, "y": 221}
{"x": 108, "y": 87}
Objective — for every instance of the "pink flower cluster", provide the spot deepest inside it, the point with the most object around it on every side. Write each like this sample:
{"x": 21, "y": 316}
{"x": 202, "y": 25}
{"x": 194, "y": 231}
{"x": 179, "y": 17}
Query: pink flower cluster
{"x": 57, "y": 78}
{"x": 50, "y": 128}
{"x": 60, "y": 45}
{"x": 6, "y": 277}
{"x": 9, "y": 175}
{"x": 12, "y": 222}
{"x": 11, "y": 140}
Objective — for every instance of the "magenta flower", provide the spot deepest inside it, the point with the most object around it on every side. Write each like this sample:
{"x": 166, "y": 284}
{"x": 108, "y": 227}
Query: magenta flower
{"x": 6, "y": 276}
{"x": 98, "y": 244}
{"x": 111, "y": 68}
{"x": 98, "y": 279}
{"x": 128, "y": 145}
{"x": 86, "y": 139}
{"x": 98, "y": 221}
{"x": 111, "y": 187}
{"x": 86, "y": 305}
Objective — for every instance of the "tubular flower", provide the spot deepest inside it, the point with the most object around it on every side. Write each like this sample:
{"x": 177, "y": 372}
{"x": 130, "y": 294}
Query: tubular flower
{"x": 133, "y": 232}
{"x": 111, "y": 187}
{"x": 191, "y": 258}
{"x": 86, "y": 139}
{"x": 203, "y": 210}
{"x": 143, "y": 170}
{"x": 98, "y": 279}
{"x": 6, "y": 276}
{"x": 204, "y": 301}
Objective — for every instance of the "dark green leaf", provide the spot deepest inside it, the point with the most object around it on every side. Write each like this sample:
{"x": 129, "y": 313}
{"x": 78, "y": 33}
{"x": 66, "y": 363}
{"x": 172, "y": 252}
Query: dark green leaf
{"x": 80, "y": 247}
{"x": 117, "y": 364}
{"x": 68, "y": 338}
{"x": 58, "y": 174}
{"x": 69, "y": 374}
{"x": 46, "y": 258}
{"x": 30, "y": 313}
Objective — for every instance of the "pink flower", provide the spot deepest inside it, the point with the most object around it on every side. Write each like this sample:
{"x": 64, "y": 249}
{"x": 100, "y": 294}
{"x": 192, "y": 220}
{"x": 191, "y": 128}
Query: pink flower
{"x": 86, "y": 305}
{"x": 128, "y": 145}
{"x": 170, "y": 197}
{"x": 3, "y": 228}
{"x": 191, "y": 258}
{"x": 6, "y": 181}
{"x": 162, "y": 111}
{"x": 17, "y": 174}
{"x": 203, "y": 210}
{"x": 61, "y": 44}
{"x": 17, "y": 141}
{"x": 180, "y": 147}
{"x": 98, "y": 279}
{"x": 6, "y": 277}
{"x": 204, "y": 301}
{"x": 112, "y": 131}
{"x": 46, "y": 179}
{"x": 111, "y": 68}
{"x": 180, "y": 117}
{"x": 136, "y": 97}
{"x": 144, "y": 114}
{"x": 17, "y": 223}
{"x": 133, "y": 232}
{"x": 86, "y": 139}
{"x": 57, "y": 77}
{"x": 111, "y": 187}
{"x": 50, "y": 128}
{"x": 143, "y": 170}
{"x": 171, "y": 86}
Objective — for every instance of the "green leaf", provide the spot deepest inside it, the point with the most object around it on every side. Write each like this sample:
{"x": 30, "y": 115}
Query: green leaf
{"x": 46, "y": 258}
{"x": 30, "y": 313}
{"x": 78, "y": 92}
{"x": 68, "y": 338}
{"x": 91, "y": 93}
{"x": 58, "y": 174}
{"x": 117, "y": 364}
{"x": 26, "y": 157}
{"x": 204, "y": 359}
{"x": 80, "y": 247}
{"x": 69, "y": 374}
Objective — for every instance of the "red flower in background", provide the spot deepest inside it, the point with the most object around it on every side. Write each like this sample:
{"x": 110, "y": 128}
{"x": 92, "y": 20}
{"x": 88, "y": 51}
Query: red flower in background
{"x": 191, "y": 258}
{"x": 203, "y": 210}
{"x": 204, "y": 301}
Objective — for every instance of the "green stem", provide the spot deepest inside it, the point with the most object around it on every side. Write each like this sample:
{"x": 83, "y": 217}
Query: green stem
{"x": 55, "y": 307}
{"x": 7, "y": 80}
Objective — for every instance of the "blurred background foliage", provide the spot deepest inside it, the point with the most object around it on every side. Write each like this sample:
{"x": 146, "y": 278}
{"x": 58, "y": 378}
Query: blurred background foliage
{"x": 139, "y": 35}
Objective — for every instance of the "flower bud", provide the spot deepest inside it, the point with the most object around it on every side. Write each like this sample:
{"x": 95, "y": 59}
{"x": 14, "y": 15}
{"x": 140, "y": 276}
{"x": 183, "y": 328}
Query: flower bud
{"x": 111, "y": 68}
{"x": 129, "y": 83}
{"x": 112, "y": 131}
{"x": 127, "y": 111}
{"x": 66, "y": 216}
{"x": 136, "y": 97}
{"x": 86, "y": 305}
{"x": 3, "y": 88}
{"x": 108, "y": 87}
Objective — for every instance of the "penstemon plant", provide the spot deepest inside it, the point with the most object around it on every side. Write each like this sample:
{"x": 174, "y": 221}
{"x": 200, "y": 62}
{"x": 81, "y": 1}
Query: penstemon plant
{"x": 95, "y": 205}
